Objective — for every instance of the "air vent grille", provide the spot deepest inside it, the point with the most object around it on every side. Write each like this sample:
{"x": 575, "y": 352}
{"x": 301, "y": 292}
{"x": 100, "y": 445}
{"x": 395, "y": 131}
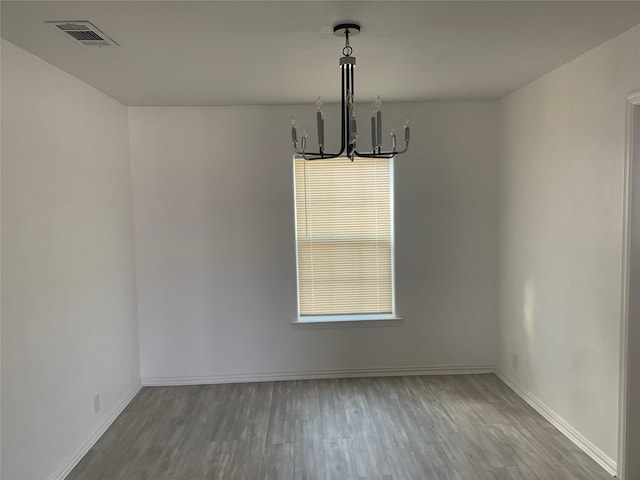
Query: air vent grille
{"x": 85, "y": 35}
{"x": 83, "y": 32}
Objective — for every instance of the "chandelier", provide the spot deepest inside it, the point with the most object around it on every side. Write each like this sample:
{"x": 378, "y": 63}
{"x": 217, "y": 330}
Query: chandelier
{"x": 349, "y": 130}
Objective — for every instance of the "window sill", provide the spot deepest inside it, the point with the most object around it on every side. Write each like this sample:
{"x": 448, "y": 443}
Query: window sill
{"x": 378, "y": 319}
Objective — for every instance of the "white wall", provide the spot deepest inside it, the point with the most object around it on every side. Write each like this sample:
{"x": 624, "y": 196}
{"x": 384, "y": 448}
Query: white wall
{"x": 561, "y": 197}
{"x": 631, "y": 461}
{"x": 69, "y": 326}
{"x": 215, "y": 245}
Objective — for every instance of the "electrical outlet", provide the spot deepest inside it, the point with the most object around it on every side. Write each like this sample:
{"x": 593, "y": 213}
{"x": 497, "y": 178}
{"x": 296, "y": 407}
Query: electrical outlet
{"x": 96, "y": 403}
{"x": 514, "y": 361}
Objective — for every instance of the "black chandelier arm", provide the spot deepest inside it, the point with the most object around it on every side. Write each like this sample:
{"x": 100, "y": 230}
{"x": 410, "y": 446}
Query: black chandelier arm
{"x": 344, "y": 124}
{"x": 388, "y": 154}
{"x": 316, "y": 155}
{"x": 311, "y": 157}
{"x": 328, "y": 156}
{"x": 374, "y": 155}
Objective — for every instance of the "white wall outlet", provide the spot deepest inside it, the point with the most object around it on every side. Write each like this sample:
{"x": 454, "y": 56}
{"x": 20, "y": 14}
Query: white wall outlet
{"x": 96, "y": 402}
{"x": 514, "y": 361}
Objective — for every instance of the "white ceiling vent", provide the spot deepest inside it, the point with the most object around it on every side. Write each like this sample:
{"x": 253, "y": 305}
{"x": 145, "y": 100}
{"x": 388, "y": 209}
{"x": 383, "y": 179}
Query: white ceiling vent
{"x": 83, "y": 32}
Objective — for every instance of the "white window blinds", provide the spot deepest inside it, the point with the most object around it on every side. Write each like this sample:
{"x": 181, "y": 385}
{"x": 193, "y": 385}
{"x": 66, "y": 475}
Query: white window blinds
{"x": 344, "y": 236}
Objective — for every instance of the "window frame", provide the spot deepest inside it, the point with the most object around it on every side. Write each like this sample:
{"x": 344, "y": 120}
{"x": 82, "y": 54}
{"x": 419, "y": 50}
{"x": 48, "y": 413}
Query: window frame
{"x": 351, "y": 317}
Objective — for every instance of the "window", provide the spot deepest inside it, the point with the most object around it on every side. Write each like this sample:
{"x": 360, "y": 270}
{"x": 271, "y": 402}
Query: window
{"x": 344, "y": 230}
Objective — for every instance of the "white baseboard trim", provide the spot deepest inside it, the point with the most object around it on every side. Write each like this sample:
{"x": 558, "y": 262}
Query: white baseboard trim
{"x": 318, "y": 374}
{"x": 83, "y": 448}
{"x": 567, "y": 430}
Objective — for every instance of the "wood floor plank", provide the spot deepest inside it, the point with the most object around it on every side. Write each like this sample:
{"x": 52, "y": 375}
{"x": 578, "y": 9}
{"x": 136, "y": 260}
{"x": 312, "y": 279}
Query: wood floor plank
{"x": 332, "y": 410}
{"x": 309, "y": 460}
{"x": 277, "y": 463}
{"x": 338, "y": 459}
{"x": 308, "y": 418}
{"x": 385, "y": 410}
{"x": 465, "y": 427}
{"x": 369, "y": 458}
{"x": 282, "y": 416}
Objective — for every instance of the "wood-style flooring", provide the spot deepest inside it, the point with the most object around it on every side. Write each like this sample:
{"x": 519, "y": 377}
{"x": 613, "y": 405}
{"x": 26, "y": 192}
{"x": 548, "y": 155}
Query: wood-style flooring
{"x": 463, "y": 427}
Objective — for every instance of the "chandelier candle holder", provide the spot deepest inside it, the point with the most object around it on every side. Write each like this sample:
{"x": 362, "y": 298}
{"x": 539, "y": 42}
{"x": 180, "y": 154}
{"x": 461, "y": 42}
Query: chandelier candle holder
{"x": 349, "y": 128}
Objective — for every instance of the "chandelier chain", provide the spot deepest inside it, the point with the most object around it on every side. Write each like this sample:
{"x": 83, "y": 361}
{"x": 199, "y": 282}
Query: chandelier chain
{"x": 347, "y": 50}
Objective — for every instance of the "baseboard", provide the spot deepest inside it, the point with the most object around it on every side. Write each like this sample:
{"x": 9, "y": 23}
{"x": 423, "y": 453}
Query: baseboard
{"x": 82, "y": 449}
{"x": 318, "y": 374}
{"x": 567, "y": 430}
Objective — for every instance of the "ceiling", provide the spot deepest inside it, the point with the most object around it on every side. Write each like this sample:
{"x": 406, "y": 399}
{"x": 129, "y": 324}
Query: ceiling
{"x": 265, "y": 52}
